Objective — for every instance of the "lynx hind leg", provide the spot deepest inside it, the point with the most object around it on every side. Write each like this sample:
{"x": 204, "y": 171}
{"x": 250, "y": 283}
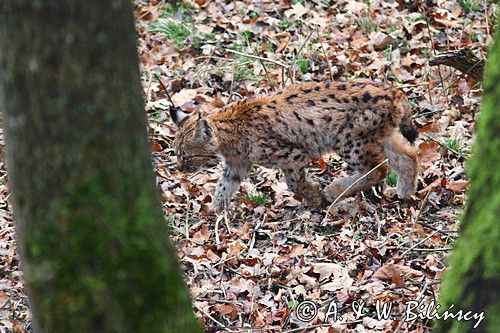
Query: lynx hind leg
{"x": 402, "y": 157}
{"x": 366, "y": 159}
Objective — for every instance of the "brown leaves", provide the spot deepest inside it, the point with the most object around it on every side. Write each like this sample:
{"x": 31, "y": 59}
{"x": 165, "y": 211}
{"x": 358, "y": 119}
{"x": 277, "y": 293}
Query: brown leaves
{"x": 395, "y": 273}
{"x": 428, "y": 152}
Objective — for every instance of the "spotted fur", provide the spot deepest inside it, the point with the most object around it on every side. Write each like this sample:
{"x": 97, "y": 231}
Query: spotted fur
{"x": 363, "y": 121}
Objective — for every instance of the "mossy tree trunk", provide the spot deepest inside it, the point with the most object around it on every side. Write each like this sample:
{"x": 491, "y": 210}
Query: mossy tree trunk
{"x": 95, "y": 250}
{"x": 472, "y": 281}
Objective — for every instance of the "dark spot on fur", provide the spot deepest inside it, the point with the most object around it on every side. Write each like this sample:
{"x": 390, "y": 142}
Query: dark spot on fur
{"x": 342, "y": 87}
{"x": 380, "y": 97}
{"x": 366, "y": 97}
{"x": 296, "y": 157}
{"x": 310, "y": 121}
{"x": 296, "y": 115}
{"x": 306, "y": 91}
{"x": 317, "y": 88}
{"x": 327, "y": 84}
{"x": 311, "y": 102}
{"x": 345, "y": 100}
{"x": 271, "y": 107}
{"x": 324, "y": 100}
{"x": 355, "y": 99}
{"x": 327, "y": 118}
{"x": 289, "y": 98}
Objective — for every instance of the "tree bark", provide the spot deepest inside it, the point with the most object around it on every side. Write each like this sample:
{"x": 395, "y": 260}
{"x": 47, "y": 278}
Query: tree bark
{"x": 94, "y": 246}
{"x": 472, "y": 281}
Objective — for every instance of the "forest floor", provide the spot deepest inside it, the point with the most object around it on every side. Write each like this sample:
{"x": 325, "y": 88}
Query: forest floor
{"x": 254, "y": 265}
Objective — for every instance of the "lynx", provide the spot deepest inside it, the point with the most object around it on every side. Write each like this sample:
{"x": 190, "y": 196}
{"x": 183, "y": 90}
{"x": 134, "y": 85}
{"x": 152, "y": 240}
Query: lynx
{"x": 364, "y": 122}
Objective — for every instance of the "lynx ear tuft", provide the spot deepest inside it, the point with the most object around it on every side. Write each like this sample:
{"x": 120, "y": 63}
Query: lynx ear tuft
{"x": 178, "y": 116}
{"x": 203, "y": 129}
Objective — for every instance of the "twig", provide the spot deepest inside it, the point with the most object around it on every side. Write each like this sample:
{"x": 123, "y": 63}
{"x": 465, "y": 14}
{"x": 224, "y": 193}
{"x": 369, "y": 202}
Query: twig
{"x": 296, "y": 56}
{"x": 486, "y": 16}
{"x": 267, "y": 73}
{"x": 325, "y": 55}
{"x": 350, "y": 186}
{"x": 165, "y": 89}
{"x": 442, "y": 232}
{"x": 434, "y": 52}
{"x": 459, "y": 47}
{"x": 445, "y": 146}
{"x": 430, "y": 94}
{"x": 222, "y": 301}
{"x": 226, "y": 221}
{"x": 212, "y": 318}
{"x": 439, "y": 249}
{"x": 257, "y": 57}
{"x": 300, "y": 329}
{"x": 419, "y": 243}
{"x": 378, "y": 223}
{"x": 217, "y": 221}
{"x": 420, "y": 210}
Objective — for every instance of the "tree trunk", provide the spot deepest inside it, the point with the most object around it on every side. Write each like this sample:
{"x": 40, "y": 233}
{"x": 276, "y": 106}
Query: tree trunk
{"x": 472, "y": 281}
{"x": 94, "y": 245}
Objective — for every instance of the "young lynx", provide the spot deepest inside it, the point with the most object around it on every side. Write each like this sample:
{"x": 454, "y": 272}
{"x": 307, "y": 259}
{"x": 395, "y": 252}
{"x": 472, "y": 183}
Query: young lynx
{"x": 363, "y": 121}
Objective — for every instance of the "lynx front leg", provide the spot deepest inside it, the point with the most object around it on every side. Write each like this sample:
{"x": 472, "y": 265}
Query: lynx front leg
{"x": 229, "y": 182}
{"x": 309, "y": 190}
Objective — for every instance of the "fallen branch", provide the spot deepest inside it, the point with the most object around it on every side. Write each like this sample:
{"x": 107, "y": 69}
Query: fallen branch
{"x": 463, "y": 60}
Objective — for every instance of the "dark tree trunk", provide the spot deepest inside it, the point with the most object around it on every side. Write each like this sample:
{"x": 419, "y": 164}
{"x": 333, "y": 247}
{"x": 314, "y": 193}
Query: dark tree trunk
{"x": 95, "y": 249}
{"x": 472, "y": 281}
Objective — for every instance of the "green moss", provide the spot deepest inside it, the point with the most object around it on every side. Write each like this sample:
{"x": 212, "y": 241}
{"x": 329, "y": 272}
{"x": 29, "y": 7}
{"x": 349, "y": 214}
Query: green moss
{"x": 474, "y": 272}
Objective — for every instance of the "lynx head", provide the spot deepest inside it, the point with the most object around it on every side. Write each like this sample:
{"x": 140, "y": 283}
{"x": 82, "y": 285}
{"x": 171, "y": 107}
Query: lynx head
{"x": 195, "y": 144}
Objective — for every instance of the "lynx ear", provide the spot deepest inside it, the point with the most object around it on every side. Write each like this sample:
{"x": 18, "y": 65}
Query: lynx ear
{"x": 203, "y": 129}
{"x": 178, "y": 116}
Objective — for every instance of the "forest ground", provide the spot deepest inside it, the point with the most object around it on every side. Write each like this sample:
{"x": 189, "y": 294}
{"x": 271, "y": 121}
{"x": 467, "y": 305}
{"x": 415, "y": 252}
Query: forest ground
{"x": 251, "y": 267}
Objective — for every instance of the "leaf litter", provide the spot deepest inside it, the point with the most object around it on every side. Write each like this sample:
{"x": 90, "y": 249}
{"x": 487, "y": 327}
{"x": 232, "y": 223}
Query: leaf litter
{"x": 251, "y": 267}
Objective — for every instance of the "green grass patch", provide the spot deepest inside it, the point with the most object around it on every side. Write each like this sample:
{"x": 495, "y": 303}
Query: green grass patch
{"x": 257, "y": 198}
{"x": 304, "y": 65}
{"x": 173, "y": 29}
{"x": 391, "y": 179}
{"x": 472, "y": 5}
{"x": 455, "y": 144}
